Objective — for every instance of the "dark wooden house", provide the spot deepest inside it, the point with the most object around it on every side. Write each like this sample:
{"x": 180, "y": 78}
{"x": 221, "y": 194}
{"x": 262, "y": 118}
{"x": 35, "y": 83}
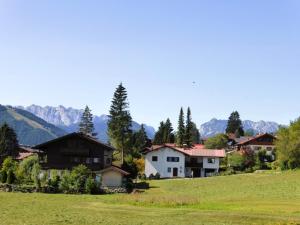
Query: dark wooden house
{"x": 74, "y": 149}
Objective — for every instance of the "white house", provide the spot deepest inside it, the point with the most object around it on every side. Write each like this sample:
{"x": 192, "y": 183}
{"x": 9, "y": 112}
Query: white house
{"x": 171, "y": 161}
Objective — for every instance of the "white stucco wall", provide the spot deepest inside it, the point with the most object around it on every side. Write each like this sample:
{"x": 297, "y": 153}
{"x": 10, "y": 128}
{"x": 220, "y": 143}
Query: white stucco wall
{"x": 262, "y": 147}
{"x": 207, "y": 165}
{"x": 161, "y": 165}
{"x": 111, "y": 179}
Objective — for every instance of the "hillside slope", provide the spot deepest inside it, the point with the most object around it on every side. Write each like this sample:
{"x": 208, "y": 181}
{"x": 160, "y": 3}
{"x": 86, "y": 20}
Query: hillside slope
{"x": 30, "y": 129}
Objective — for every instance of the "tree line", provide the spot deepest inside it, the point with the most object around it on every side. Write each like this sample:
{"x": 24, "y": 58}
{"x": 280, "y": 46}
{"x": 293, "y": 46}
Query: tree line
{"x": 129, "y": 143}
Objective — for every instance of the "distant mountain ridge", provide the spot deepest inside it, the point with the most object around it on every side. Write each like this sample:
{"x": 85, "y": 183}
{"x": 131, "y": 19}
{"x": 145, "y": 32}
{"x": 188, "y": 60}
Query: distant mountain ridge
{"x": 216, "y": 126}
{"x": 69, "y": 118}
{"x": 30, "y": 129}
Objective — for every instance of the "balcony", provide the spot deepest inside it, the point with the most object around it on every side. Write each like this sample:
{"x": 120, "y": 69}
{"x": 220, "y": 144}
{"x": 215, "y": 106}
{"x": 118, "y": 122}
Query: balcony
{"x": 194, "y": 164}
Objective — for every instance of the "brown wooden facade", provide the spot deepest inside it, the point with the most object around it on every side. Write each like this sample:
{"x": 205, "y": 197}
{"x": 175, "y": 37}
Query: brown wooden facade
{"x": 259, "y": 140}
{"x": 74, "y": 149}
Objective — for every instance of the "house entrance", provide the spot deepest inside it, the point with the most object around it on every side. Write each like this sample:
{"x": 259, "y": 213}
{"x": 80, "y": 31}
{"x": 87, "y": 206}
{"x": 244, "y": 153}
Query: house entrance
{"x": 175, "y": 172}
{"x": 196, "y": 172}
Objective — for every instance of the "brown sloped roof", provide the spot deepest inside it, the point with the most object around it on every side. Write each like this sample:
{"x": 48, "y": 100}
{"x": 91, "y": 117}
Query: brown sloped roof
{"x": 80, "y": 135}
{"x": 196, "y": 150}
{"x": 24, "y": 155}
{"x": 255, "y": 137}
{"x": 116, "y": 169}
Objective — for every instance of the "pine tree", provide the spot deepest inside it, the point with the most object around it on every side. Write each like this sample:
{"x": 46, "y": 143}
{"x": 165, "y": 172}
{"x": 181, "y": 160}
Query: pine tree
{"x": 181, "y": 129}
{"x": 188, "y": 137}
{"x": 234, "y": 125}
{"x": 140, "y": 140}
{"x": 168, "y": 136}
{"x": 195, "y": 134}
{"x": 8, "y": 142}
{"x": 119, "y": 126}
{"x": 164, "y": 133}
{"x": 159, "y": 135}
{"x": 86, "y": 125}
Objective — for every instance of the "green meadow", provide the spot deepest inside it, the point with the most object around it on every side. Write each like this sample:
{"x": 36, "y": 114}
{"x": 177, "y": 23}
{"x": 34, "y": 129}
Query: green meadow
{"x": 260, "y": 198}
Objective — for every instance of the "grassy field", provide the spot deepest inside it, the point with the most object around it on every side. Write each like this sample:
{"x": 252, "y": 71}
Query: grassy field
{"x": 267, "y": 198}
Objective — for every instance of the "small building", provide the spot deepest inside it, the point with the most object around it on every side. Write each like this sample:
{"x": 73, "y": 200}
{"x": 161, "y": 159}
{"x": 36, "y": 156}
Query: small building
{"x": 258, "y": 142}
{"x": 170, "y": 161}
{"x": 69, "y": 151}
{"x": 112, "y": 177}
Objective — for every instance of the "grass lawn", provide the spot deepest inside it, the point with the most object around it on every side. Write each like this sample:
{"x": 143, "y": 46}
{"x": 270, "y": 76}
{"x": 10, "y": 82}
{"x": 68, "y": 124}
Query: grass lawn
{"x": 267, "y": 198}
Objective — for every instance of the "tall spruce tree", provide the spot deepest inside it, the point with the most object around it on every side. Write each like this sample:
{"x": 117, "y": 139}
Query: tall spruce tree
{"x": 165, "y": 133}
{"x": 119, "y": 125}
{"x": 188, "y": 138}
{"x": 180, "y": 135}
{"x": 8, "y": 142}
{"x": 86, "y": 125}
{"x": 168, "y": 136}
{"x": 195, "y": 134}
{"x": 159, "y": 135}
{"x": 140, "y": 141}
{"x": 234, "y": 125}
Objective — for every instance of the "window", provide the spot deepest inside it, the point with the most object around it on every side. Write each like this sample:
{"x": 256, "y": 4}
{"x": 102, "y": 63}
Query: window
{"x": 211, "y": 160}
{"x": 108, "y": 161}
{"x": 172, "y": 159}
{"x": 96, "y": 160}
{"x": 154, "y": 158}
{"x": 43, "y": 159}
{"x": 89, "y": 160}
{"x": 257, "y": 148}
{"x": 169, "y": 169}
{"x": 76, "y": 160}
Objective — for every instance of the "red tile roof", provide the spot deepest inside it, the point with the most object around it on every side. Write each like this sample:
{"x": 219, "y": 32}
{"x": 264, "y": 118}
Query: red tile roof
{"x": 196, "y": 150}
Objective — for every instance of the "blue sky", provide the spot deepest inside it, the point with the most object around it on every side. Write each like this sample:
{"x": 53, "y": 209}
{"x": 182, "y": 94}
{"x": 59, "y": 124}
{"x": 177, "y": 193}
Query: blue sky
{"x": 242, "y": 55}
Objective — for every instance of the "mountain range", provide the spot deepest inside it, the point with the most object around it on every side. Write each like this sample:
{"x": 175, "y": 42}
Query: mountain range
{"x": 216, "y": 126}
{"x": 29, "y": 128}
{"x": 36, "y": 124}
{"x": 68, "y": 119}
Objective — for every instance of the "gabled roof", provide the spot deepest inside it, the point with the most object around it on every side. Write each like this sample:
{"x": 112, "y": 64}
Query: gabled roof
{"x": 116, "y": 169}
{"x": 255, "y": 138}
{"x": 24, "y": 155}
{"x": 196, "y": 150}
{"x": 78, "y": 135}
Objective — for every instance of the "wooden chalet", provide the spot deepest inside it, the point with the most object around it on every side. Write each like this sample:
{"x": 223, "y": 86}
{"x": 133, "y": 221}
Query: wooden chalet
{"x": 74, "y": 149}
{"x": 258, "y": 142}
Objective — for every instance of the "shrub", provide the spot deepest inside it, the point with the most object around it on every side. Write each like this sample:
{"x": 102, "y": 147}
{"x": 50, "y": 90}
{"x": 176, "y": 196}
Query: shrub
{"x": 157, "y": 176}
{"x": 287, "y": 146}
{"x": 3, "y": 176}
{"x": 151, "y": 176}
{"x": 35, "y": 173}
{"x": 129, "y": 185}
{"x": 10, "y": 177}
{"x": 54, "y": 183}
{"x": 140, "y": 165}
{"x": 91, "y": 186}
{"x": 74, "y": 182}
{"x": 236, "y": 161}
{"x": 143, "y": 177}
{"x": 25, "y": 167}
{"x": 217, "y": 142}
{"x": 130, "y": 166}
{"x": 9, "y": 167}
{"x": 65, "y": 184}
